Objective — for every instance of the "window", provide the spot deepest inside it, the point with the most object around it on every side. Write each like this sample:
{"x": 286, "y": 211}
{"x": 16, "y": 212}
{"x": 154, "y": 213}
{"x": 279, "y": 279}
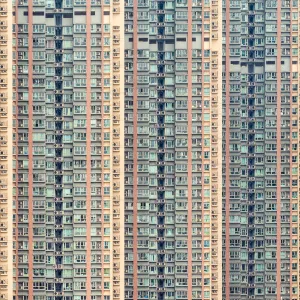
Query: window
{"x": 80, "y": 28}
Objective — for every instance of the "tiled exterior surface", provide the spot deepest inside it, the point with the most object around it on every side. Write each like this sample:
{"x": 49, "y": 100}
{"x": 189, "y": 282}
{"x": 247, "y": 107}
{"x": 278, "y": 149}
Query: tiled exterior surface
{"x": 260, "y": 150}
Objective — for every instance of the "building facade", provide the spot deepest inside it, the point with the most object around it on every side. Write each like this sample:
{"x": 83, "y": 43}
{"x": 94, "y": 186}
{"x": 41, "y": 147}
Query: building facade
{"x": 117, "y": 150}
{"x": 111, "y": 147}
{"x": 111, "y": 143}
{"x": 260, "y": 150}
{"x": 172, "y": 149}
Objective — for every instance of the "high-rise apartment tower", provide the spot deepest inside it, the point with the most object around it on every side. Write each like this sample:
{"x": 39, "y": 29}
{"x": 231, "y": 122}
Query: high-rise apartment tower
{"x": 172, "y": 149}
{"x": 260, "y": 150}
{"x": 68, "y": 148}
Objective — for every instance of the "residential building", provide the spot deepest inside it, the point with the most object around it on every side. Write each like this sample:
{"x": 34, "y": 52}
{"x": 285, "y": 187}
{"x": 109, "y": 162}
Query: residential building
{"x": 85, "y": 213}
{"x": 172, "y": 149}
{"x": 68, "y": 141}
{"x": 260, "y": 150}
